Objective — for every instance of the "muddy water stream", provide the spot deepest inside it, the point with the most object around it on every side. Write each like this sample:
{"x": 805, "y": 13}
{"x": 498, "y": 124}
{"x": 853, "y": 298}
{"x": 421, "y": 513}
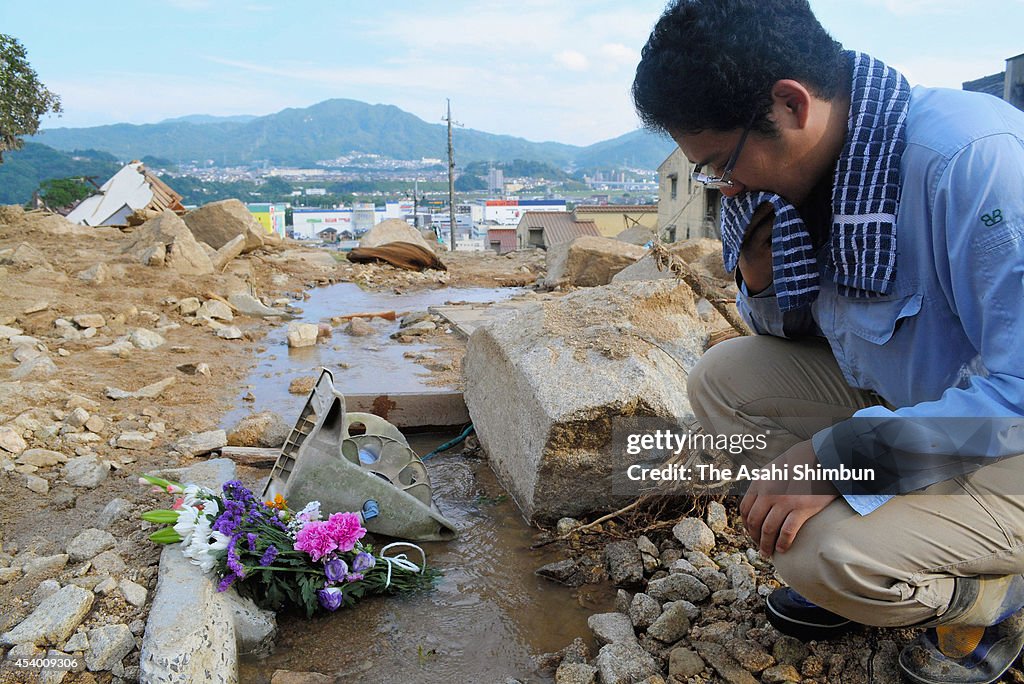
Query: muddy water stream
{"x": 489, "y": 614}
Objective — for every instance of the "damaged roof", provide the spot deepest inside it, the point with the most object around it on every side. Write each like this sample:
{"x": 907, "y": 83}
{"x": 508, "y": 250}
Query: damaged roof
{"x": 558, "y": 226}
{"x": 133, "y": 187}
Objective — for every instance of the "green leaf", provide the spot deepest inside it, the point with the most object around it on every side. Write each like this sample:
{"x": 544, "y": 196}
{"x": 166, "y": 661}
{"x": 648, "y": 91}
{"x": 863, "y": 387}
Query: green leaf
{"x": 165, "y": 536}
{"x": 161, "y": 516}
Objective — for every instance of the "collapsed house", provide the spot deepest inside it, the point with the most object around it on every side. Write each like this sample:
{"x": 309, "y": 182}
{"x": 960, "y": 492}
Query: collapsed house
{"x": 132, "y": 188}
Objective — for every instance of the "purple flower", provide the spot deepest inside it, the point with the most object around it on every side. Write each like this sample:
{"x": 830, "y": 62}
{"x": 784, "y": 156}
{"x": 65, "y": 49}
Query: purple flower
{"x": 233, "y": 560}
{"x": 268, "y": 556}
{"x": 227, "y": 582}
{"x": 363, "y": 562}
{"x": 354, "y": 577}
{"x": 251, "y": 538}
{"x": 330, "y": 598}
{"x": 336, "y": 570}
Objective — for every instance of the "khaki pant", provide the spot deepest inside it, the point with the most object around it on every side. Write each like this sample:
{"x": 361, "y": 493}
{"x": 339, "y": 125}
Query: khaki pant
{"x": 897, "y": 565}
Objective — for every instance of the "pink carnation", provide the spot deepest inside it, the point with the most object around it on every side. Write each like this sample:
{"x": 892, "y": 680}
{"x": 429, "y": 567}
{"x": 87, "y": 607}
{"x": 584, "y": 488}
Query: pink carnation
{"x": 345, "y": 530}
{"x": 317, "y": 539}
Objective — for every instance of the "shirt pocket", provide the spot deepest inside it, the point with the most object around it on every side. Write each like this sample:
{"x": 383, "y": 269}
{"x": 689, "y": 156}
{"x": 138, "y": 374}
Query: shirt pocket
{"x": 877, "y": 320}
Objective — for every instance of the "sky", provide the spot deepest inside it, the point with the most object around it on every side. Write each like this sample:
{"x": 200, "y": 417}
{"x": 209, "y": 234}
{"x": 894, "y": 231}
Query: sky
{"x": 539, "y": 69}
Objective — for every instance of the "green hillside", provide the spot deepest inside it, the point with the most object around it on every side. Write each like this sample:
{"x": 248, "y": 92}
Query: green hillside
{"x": 299, "y": 137}
{"x": 23, "y": 170}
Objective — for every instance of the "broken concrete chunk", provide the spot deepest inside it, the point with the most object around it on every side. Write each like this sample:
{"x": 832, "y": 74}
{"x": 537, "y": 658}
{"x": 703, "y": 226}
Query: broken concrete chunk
{"x": 216, "y": 309}
{"x": 107, "y": 646}
{"x": 148, "y": 392}
{"x": 11, "y": 441}
{"x": 188, "y": 306}
{"x": 628, "y": 349}
{"x": 302, "y": 334}
{"x": 217, "y": 223}
{"x": 167, "y": 240}
{"x": 202, "y": 443}
{"x": 89, "y": 321}
{"x": 146, "y": 339}
{"x": 226, "y": 254}
{"x": 248, "y": 305}
{"x": 589, "y": 261}
{"x": 89, "y": 543}
{"x": 85, "y": 471}
{"x": 54, "y": 620}
{"x": 96, "y": 274}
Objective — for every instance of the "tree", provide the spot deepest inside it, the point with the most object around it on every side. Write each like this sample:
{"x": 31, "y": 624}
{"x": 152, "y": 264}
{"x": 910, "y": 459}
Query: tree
{"x": 63, "y": 192}
{"x": 23, "y": 99}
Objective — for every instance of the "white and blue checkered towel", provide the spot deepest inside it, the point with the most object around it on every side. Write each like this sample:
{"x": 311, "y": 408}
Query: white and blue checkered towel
{"x": 865, "y": 199}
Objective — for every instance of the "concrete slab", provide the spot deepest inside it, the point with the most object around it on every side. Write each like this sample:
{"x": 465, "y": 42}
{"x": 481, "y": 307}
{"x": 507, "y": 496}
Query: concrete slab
{"x": 412, "y": 409}
{"x": 465, "y": 318}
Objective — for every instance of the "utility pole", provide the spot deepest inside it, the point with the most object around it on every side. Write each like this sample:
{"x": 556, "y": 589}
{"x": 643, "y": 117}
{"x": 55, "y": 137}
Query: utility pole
{"x": 451, "y": 175}
{"x": 416, "y": 204}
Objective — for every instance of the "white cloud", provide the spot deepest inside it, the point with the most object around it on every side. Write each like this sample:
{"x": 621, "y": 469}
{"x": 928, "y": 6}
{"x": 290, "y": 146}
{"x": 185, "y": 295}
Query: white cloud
{"x": 572, "y": 60}
{"x": 905, "y": 8}
{"x": 620, "y": 54}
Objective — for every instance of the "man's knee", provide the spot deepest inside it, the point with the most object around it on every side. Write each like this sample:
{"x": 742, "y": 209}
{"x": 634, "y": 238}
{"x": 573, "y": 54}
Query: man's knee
{"x": 709, "y": 382}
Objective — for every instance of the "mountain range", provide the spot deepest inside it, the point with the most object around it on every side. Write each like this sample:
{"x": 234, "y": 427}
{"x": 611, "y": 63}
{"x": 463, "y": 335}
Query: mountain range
{"x": 333, "y": 128}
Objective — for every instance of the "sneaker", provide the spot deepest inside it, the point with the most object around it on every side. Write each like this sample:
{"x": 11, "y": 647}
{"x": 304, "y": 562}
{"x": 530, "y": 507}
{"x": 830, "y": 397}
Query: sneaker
{"x": 792, "y": 614}
{"x": 963, "y": 655}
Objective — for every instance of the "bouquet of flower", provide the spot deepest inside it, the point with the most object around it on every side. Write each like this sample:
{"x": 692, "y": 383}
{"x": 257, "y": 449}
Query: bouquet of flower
{"x": 275, "y": 555}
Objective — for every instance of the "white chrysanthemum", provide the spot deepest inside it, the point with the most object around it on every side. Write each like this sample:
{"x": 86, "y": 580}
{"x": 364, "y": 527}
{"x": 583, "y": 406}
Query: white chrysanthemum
{"x": 199, "y": 546}
{"x": 186, "y": 525}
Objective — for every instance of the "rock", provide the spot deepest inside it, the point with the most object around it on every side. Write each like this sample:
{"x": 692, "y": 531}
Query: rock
{"x": 36, "y": 308}
{"x": 89, "y": 320}
{"x": 393, "y": 230}
{"x": 357, "y": 327}
{"x": 215, "y": 309}
{"x": 9, "y": 574}
{"x": 566, "y": 525}
{"x": 265, "y": 429}
{"x": 45, "y": 565}
{"x": 121, "y": 347}
{"x": 624, "y": 563}
{"x": 85, "y": 471}
{"x": 39, "y": 366}
{"x": 78, "y": 642}
{"x": 694, "y": 535}
{"x": 188, "y": 306}
{"x": 97, "y": 274}
{"x": 575, "y": 673}
{"x": 89, "y": 543}
{"x": 228, "y": 252}
{"x": 27, "y": 256}
{"x": 11, "y": 441}
{"x": 133, "y": 593}
{"x": 22, "y": 651}
{"x": 716, "y": 517}
{"x": 703, "y": 255}
{"x": 77, "y": 417}
{"x": 612, "y": 628}
{"x": 684, "y": 663}
{"x": 217, "y": 223}
{"x": 780, "y": 674}
{"x": 643, "y": 611}
{"x": 95, "y": 424}
{"x": 202, "y": 443}
{"x": 589, "y": 261}
{"x": 678, "y": 587}
{"x": 7, "y": 332}
{"x": 230, "y": 333}
{"x": 117, "y": 509}
{"x": 133, "y": 440}
{"x": 37, "y": 484}
{"x": 700, "y": 559}
{"x": 302, "y": 334}
{"x": 789, "y": 650}
{"x": 750, "y": 655}
{"x": 247, "y": 305}
{"x": 167, "y": 240}
{"x": 714, "y": 579}
{"x": 54, "y": 620}
{"x": 108, "y": 646}
{"x": 727, "y": 667}
{"x": 624, "y": 664}
{"x": 628, "y": 349}
{"x": 303, "y": 385}
{"x": 151, "y": 391}
{"x": 146, "y": 339}
{"x": 565, "y": 572}
{"x": 106, "y": 586}
{"x": 109, "y": 563}
{"x": 45, "y": 589}
{"x": 741, "y": 577}
{"x": 289, "y": 677}
{"x": 672, "y": 625}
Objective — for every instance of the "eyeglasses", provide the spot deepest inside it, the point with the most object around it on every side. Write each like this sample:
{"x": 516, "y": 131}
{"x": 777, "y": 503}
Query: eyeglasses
{"x": 725, "y": 180}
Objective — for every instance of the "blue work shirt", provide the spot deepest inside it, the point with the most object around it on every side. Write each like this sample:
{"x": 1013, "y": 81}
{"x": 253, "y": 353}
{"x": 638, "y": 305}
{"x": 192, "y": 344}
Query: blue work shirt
{"x": 948, "y": 341}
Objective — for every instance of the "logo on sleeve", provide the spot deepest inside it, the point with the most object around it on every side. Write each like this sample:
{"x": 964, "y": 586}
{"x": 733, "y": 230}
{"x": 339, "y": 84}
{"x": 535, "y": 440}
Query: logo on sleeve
{"x": 992, "y": 218}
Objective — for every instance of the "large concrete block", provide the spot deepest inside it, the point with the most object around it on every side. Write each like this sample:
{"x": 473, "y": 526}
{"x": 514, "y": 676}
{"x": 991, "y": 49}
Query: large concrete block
{"x": 589, "y": 260}
{"x": 545, "y": 387}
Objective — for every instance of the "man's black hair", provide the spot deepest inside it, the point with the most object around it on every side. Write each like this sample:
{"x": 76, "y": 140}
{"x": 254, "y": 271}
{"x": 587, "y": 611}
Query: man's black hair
{"x": 710, "y": 64}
